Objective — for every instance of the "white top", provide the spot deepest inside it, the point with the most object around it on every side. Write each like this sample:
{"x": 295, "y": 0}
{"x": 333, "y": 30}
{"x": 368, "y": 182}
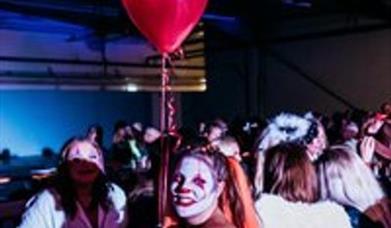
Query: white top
{"x": 44, "y": 211}
{"x": 276, "y": 212}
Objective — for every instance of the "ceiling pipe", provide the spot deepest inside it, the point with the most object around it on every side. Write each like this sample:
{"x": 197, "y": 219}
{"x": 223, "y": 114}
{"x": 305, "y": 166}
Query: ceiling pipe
{"x": 91, "y": 63}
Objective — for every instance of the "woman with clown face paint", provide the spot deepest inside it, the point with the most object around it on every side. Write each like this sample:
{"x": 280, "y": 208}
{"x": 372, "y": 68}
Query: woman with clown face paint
{"x": 79, "y": 195}
{"x": 210, "y": 190}
{"x": 195, "y": 189}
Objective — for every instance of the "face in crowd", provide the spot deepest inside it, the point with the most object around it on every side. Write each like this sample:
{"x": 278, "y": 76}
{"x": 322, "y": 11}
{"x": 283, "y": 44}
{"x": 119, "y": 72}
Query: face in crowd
{"x": 85, "y": 162}
{"x": 317, "y": 145}
{"x": 194, "y": 187}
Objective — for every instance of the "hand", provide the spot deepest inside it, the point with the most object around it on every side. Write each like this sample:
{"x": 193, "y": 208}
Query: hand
{"x": 367, "y": 148}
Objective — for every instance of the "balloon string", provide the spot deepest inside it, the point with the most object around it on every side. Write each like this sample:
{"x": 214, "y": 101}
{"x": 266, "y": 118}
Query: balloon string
{"x": 171, "y": 106}
{"x": 164, "y": 89}
{"x": 171, "y": 100}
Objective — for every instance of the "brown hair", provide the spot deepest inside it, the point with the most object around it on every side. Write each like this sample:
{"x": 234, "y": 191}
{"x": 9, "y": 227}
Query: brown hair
{"x": 289, "y": 173}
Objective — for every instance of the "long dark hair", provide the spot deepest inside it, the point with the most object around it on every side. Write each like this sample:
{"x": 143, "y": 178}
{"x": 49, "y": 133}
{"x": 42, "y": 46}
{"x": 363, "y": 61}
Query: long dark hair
{"x": 62, "y": 183}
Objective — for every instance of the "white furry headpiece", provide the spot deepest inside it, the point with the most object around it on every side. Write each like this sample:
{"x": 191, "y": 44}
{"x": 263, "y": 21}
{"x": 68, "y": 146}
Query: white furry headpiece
{"x": 286, "y": 127}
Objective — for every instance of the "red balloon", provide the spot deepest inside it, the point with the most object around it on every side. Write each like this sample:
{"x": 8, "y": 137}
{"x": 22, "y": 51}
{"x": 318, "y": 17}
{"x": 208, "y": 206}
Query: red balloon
{"x": 165, "y": 23}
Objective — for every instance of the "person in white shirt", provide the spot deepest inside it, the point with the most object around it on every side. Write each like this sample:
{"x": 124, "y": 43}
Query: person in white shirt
{"x": 79, "y": 195}
{"x": 305, "y": 130}
{"x": 290, "y": 195}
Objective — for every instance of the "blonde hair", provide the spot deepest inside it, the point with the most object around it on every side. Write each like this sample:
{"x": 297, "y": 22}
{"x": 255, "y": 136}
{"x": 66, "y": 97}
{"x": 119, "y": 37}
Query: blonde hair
{"x": 344, "y": 178}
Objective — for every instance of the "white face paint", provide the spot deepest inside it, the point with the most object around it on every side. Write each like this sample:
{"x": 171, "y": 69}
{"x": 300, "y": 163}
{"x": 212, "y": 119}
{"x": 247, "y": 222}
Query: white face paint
{"x": 84, "y": 162}
{"x": 87, "y": 152}
{"x": 194, "y": 187}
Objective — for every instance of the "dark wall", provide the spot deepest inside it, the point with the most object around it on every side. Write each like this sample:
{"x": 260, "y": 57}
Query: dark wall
{"x": 231, "y": 71}
{"x": 248, "y": 80}
{"x": 355, "y": 67}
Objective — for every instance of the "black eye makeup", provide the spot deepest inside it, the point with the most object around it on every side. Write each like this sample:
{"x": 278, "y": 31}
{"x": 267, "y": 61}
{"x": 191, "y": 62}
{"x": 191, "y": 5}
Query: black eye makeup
{"x": 93, "y": 156}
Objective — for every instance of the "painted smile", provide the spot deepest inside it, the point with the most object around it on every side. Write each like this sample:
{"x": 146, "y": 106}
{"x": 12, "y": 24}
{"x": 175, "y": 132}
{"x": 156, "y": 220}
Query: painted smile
{"x": 183, "y": 201}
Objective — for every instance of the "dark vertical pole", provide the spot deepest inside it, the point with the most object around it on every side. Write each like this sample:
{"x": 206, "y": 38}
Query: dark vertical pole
{"x": 164, "y": 145}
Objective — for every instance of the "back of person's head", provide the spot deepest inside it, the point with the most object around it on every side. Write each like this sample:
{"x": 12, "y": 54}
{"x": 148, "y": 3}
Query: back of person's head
{"x": 120, "y": 133}
{"x": 344, "y": 178}
{"x": 151, "y": 134}
{"x": 305, "y": 131}
{"x": 95, "y": 134}
{"x": 349, "y": 131}
{"x": 229, "y": 147}
{"x": 120, "y": 124}
{"x": 216, "y": 129}
{"x": 289, "y": 173}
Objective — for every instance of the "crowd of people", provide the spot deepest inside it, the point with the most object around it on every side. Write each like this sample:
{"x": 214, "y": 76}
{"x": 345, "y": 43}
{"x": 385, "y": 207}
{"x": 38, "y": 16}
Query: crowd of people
{"x": 292, "y": 170}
